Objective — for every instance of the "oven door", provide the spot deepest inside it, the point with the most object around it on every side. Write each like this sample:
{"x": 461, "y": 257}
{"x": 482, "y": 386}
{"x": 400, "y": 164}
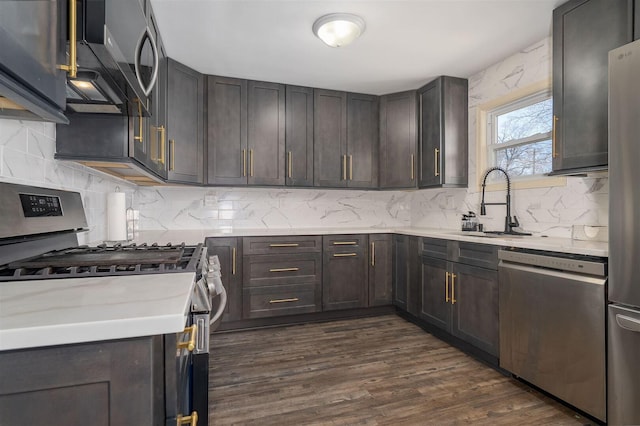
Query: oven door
{"x": 179, "y": 379}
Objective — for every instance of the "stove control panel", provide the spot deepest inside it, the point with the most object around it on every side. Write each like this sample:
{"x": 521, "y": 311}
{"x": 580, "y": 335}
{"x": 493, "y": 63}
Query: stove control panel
{"x": 34, "y": 205}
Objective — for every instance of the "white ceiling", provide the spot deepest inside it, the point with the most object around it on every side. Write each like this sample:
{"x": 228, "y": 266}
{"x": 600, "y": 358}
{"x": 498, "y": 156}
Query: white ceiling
{"x": 405, "y": 44}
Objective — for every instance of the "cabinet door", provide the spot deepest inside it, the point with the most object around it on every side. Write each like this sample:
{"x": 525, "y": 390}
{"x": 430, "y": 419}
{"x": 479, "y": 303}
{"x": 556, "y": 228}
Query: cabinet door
{"x": 474, "y": 293}
{"x": 380, "y": 269}
{"x": 362, "y": 140}
{"x": 266, "y": 133}
{"x": 398, "y": 141}
{"x": 330, "y": 138}
{"x": 227, "y": 131}
{"x": 229, "y": 252}
{"x": 435, "y": 307}
{"x": 400, "y": 282}
{"x": 157, "y": 104}
{"x": 345, "y": 272}
{"x": 430, "y": 132}
{"x": 583, "y": 33}
{"x": 185, "y": 123}
{"x": 299, "y": 136}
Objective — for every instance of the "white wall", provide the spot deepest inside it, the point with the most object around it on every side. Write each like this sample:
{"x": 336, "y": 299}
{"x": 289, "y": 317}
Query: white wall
{"x": 26, "y": 157}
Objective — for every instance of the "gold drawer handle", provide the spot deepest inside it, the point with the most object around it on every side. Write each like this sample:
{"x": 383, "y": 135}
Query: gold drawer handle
{"x": 453, "y": 289}
{"x": 290, "y": 167}
{"x": 373, "y": 254}
{"x": 446, "y": 286}
{"x": 72, "y": 66}
{"x": 345, "y": 254}
{"x": 189, "y": 345}
{"x": 163, "y": 135}
{"x": 233, "y": 261}
{"x": 293, "y": 299}
{"x": 351, "y": 167}
{"x": 187, "y": 420}
{"x": 345, "y": 243}
{"x": 284, "y": 269}
{"x": 284, "y": 245}
{"x": 436, "y": 162}
{"x": 172, "y": 163}
{"x": 139, "y": 138}
{"x": 413, "y": 168}
{"x": 553, "y": 138}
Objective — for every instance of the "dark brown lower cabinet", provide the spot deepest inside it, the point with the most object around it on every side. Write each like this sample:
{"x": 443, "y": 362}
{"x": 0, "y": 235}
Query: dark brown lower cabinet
{"x": 380, "y": 269}
{"x": 229, "y": 252}
{"x": 107, "y": 383}
{"x": 345, "y": 272}
{"x": 406, "y": 275}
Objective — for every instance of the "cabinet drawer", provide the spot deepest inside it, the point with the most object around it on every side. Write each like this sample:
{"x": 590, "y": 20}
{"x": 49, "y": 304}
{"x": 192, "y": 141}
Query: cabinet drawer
{"x": 275, "y": 270}
{"x": 434, "y": 247}
{"x": 277, "y": 245}
{"x": 482, "y": 255}
{"x": 345, "y": 243}
{"x": 263, "y": 302}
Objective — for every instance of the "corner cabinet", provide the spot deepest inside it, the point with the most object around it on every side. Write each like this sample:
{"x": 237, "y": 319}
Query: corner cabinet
{"x": 444, "y": 133}
{"x": 299, "y": 136}
{"x": 398, "y": 140}
{"x": 584, "y": 31}
{"x": 406, "y": 278}
{"x": 185, "y": 123}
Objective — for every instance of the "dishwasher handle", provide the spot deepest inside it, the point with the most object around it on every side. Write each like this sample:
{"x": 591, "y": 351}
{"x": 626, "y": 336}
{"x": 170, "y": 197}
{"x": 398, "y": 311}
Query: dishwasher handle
{"x": 628, "y": 323}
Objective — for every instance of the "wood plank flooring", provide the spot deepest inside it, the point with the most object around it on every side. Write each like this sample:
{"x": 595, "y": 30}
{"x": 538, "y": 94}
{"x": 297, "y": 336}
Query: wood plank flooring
{"x": 371, "y": 371}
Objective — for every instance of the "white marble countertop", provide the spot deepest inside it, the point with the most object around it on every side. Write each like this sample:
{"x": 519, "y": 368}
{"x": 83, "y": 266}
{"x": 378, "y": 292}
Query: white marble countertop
{"x": 538, "y": 242}
{"x": 57, "y": 312}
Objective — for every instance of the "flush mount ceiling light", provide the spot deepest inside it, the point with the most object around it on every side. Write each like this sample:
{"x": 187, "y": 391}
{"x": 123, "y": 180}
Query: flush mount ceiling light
{"x": 338, "y": 29}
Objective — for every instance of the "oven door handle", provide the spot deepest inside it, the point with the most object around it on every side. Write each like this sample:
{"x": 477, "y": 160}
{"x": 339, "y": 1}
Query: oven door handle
{"x": 221, "y": 307}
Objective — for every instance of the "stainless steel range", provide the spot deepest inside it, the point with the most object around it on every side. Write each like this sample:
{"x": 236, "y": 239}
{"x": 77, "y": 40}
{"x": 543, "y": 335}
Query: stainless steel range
{"x": 38, "y": 241}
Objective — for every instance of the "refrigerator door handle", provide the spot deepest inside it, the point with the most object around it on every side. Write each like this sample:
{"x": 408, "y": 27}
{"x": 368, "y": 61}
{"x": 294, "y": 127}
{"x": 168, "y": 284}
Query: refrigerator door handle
{"x": 628, "y": 323}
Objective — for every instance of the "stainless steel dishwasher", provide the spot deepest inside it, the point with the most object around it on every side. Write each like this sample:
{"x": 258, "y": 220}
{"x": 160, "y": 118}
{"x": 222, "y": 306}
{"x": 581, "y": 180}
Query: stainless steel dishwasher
{"x": 552, "y": 324}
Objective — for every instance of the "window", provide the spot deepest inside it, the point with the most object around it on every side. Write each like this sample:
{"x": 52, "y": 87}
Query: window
{"x": 519, "y": 136}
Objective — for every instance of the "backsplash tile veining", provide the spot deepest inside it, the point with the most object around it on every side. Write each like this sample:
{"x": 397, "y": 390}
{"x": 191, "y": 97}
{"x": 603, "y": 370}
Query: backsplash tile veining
{"x": 26, "y": 157}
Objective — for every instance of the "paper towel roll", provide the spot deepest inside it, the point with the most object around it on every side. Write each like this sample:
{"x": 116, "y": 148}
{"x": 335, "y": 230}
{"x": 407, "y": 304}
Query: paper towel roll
{"x": 116, "y": 217}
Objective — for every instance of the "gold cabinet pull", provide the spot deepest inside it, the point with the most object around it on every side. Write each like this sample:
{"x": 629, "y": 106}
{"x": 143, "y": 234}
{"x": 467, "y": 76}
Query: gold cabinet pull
{"x": 553, "y": 138}
{"x": 190, "y": 344}
{"x": 345, "y": 254}
{"x": 436, "y": 163}
{"x": 72, "y": 67}
{"x": 244, "y": 162}
{"x": 289, "y": 161}
{"x": 284, "y": 269}
{"x": 191, "y": 420}
{"x": 446, "y": 286}
{"x": 251, "y": 162}
{"x": 233, "y": 261}
{"x": 344, "y": 167}
{"x": 453, "y": 289}
{"x": 140, "y": 129}
{"x": 284, "y": 245}
{"x": 172, "y": 162}
{"x": 345, "y": 243}
{"x": 351, "y": 167}
{"x": 373, "y": 254}
{"x": 163, "y": 133}
{"x": 292, "y": 299}
{"x": 413, "y": 167}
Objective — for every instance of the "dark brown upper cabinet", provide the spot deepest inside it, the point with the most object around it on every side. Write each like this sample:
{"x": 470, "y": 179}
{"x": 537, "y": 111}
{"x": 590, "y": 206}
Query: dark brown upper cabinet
{"x": 398, "y": 140}
{"x": 345, "y": 139}
{"x": 185, "y": 123}
{"x": 266, "y": 134}
{"x": 226, "y": 131}
{"x": 584, "y": 31}
{"x": 299, "y": 136}
{"x": 443, "y": 133}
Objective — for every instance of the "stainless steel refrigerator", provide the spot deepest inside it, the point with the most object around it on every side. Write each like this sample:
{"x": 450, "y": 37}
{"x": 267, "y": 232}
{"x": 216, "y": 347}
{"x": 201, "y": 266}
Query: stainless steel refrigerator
{"x": 623, "y": 366}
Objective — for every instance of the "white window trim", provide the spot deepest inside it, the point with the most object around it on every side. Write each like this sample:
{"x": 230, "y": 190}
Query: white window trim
{"x": 483, "y": 135}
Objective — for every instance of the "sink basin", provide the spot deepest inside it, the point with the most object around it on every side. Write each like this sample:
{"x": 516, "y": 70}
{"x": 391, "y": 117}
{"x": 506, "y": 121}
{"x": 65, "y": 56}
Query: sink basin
{"x": 491, "y": 234}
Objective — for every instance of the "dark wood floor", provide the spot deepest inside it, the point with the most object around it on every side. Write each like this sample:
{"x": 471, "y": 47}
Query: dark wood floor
{"x": 372, "y": 371}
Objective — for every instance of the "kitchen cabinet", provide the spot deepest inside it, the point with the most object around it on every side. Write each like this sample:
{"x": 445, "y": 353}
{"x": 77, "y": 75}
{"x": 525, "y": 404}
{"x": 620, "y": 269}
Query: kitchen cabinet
{"x": 299, "y": 136}
{"x": 345, "y": 139}
{"x": 380, "y": 269}
{"x": 229, "y": 252}
{"x": 345, "y": 272}
{"x": 636, "y": 20}
{"x": 405, "y": 266}
{"x": 443, "y": 133}
{"x": 461, "y": 298}
{"x": 583, "y": 33}
{"x": 398, "y": 140}
{"x": 226, "y": 131}
{"x": 185, "y": 123}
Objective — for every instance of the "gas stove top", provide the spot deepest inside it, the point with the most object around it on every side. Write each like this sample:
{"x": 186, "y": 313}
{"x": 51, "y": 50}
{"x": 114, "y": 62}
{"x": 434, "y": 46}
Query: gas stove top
{"x": 103, "y": 260}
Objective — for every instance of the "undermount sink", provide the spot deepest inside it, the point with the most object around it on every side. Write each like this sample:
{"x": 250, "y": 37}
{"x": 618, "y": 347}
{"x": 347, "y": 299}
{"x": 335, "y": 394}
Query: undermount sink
{"x": 492, "y": 234}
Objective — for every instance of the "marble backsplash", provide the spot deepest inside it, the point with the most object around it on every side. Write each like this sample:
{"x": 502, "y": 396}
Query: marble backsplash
{"x": 26, "y": 157}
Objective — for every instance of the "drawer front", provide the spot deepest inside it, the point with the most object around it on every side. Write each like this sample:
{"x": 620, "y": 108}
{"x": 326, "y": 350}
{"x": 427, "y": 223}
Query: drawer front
{"x": 263, "y": 302}
{"x": 345, "y": 243}
{"x": 275, "y": 270}
{"x": 482, "y": 255}
{"x": 434, "y": 247}
{"x": 281, "y": 245}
